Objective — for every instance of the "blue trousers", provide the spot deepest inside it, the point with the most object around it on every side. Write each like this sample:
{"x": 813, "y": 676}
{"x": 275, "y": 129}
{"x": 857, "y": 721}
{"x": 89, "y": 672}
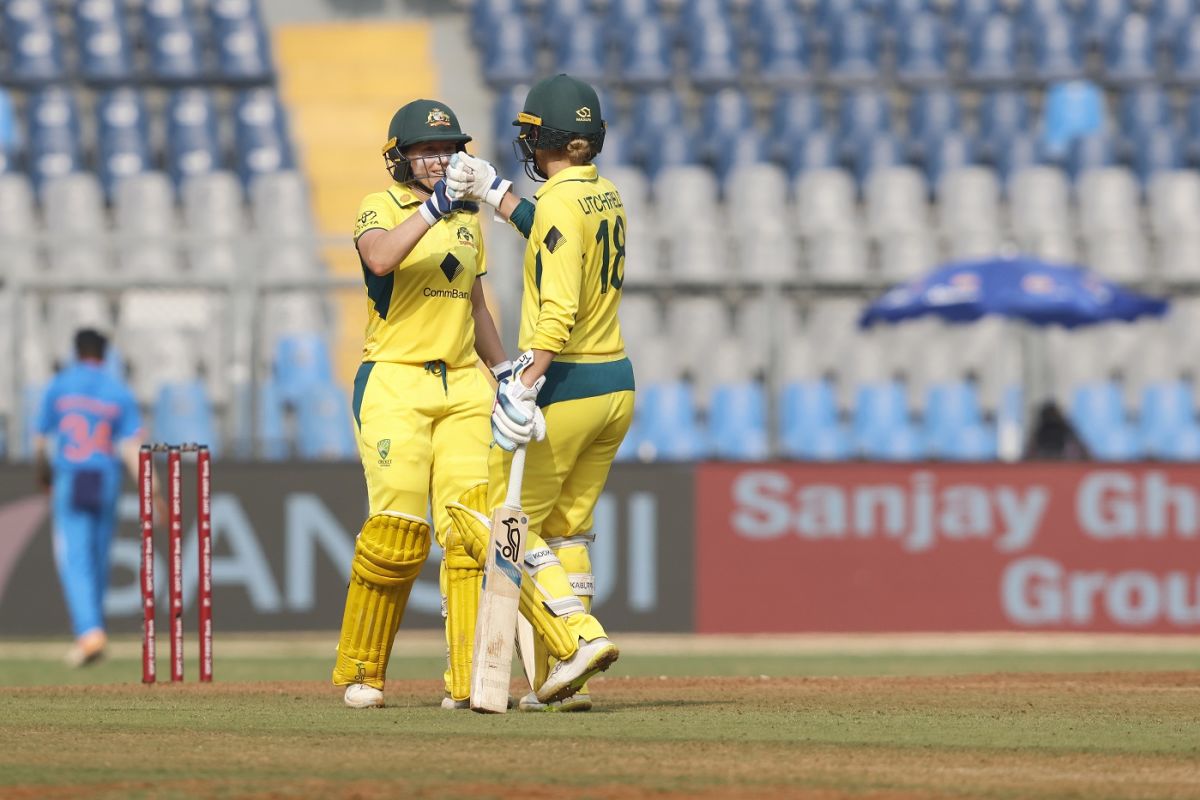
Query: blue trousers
{"x": 82, "y": 539}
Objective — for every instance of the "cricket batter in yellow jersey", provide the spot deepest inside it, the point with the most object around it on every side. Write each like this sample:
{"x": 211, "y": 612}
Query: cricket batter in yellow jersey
{"x": 420, "y": 403}
{"x": 573, "y": 377}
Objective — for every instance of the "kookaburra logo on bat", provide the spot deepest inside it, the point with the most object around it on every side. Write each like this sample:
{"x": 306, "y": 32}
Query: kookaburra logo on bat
{"x": 512, "y": 536}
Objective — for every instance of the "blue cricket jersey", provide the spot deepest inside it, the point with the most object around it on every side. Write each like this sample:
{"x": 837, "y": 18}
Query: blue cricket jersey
{"x": 88, "y": 410}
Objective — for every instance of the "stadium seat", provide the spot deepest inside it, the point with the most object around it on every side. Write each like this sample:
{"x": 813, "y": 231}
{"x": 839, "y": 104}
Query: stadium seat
{"x": 1186, "y": 62}
{"x": 953, "y": 150}
{"x": 1129, "y": 52}
{"x": 1174, "y": 203}
{"x": 976, "y": 442}
{"x": 1109, "y": 200}
{"x": 487, "y": 14}
{"x": 18, "y": 216}
{"x": 1099, "y": 18}
{"x": 1168, "y": 17}
{"x": 324, "y": 425}
{"x": 1183, "y": 444}
{"x": 968, "y": 16}
{"x": 260, "y": 134}
{"x": 809, "y": 427}
{"x": 124, "y": 132}
{"x": 992, "y": 52}
{"x": 737, "y": 422}
{"x": 1032, "y": 12}
{"x": 175, "y": 52}
{"x": 145, "y": 217}
{"x": 559, "y": 18}
{"x": 932, "y": 114}
{"x": 54, "y": 134}
{"x": 825, "y": 202}
{"x": 1096, "y": 407}
{"x": 1057, "y": 50}
{"x": 712, "y": 55}
{"x": 862, "y": 114}
{"x": 580, "y": 50}
{"x": 667, "y": 418}
{"x": 1020, "y": 153}
{"x": 762, "y": 14}
{"x": 878, "y": 407}
{"x": 794, "y": 116}
{"x": 895, "y": 201}
{"x": 645, "y": 56}
{"x": 950, "y": 409}
{"x": 1089, "y": 152}
{"x": 882, "y": 151}
{"x": 785, "y": 53}
{"x": 31, "y": 40}
{"x": 899, "y": 442}
{"x": 183, "y": 413}
{"x": 815, "y": 152}
{"x": 922, "y": 57}
{"x": 1003, "y": 115}
{"x": 78, "y": 202}
{"x": 509, "y": 57}
{"x": 301, "y": 361}
{"x": 1040, "y": 205}
{"x": 1072, "y": 109}
{"x": 105, "y": 51}
{"x": 280, "y": 203}
{"x": 738, "y": 152}
{"x": 1140, "y": 110}
{"x": 854, "y": 51}
{"x": 193, "y": 143}
{"x": 969, "y": 210}
{"x": 1157, "y": 150}
{"x": 1166, "y": 409}
{"x": 625, "y": 16}
{"x": 240, "y": 40}
{"x": 1117, "y": 443}
{"x": 725, "y": 114}
{"x": 757, "y": 203}
{"x": 675, "y": 147}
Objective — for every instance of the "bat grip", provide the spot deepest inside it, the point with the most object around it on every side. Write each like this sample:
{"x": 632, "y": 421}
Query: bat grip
{"x": 516, "y": 474}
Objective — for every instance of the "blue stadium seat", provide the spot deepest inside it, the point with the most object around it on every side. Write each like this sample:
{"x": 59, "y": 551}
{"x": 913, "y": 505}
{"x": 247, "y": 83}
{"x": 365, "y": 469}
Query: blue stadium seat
{"x": 193, "y": 144}
{"x": 932, "y": 114}
{"x": 1099, "y": 18}
{"x": 324, "y": 425}
{"x": 854, "y": 51}
{"x": 1003, "y": 114}
{"x": 626, "y": 16}
{"x": 992, "y": 52}
{"x": 1166, "y": 408}
{"x": 805, "y": 409}
{"x": 737, "y": 151}
{"x": 31, "y": 41}
{"x": 1057, "y": 49}
{"x": 1118, "y": 443}
{"x": 240, "y": 40}
{"x": 829, "y": 443}
{"x": 581, "y": 50}
{"x": 301, "y": 360}
{"x": 260, "y": 134}
{"x": 510, "y": 55}
{"x": 726, "y": 113}
{"x": 950, "y": 408}
{"x": 486, "y": 15}
{"x": 1072, "y": 109}
{"x": 1157, "y": 150}
{"x": 712, "y": 55}
{"x": 170, "y": 32}
{"x": 879, "y": 152}
{"x": 646, "y": 56}
{"x": 616, "y": 145}
{"x": 796, "y": 115}
{"x": 1129, "y": 52}
{"x": 1186, "y": 69}
{"x": 898, "y": 12}
{"x": 863, "y": 113}
{"x": 976, "y": 442}
{"x": 54, "y": 134}
{"x": 1167, "y": 17}
{"x": 183, "y": 413}
{"x": 1033, "y": 12}
{"x": 667, "y": 418}
{"x": 922, "y": 50}
{"x": 271, "y": 417}
{"x": 878, "y": 407}
{"x": 785, "y": 50}
{"x": 695, "y": 13}
{"x": 1021, "y": 151}
{"x": 968, "y": 16}
{"x": 653, "y": 114}
{"x": 953, "y": 150}
{"x": 1143, "y": 109}
{"x": 1097, "y": 407}
{"x": 737, "y": 422}
{"x": 1090, "y": 152}
{"x": 123, "y": 132}
{"x": 900, "y": 442}
{"x": 560, "y": 19}
{"x": 105, "y": 50}
{"x": 817, "y": 150}
{"x": 1183, "y": 445}
{"x": 762, "y": 14}
{"x": 671, "y": 148}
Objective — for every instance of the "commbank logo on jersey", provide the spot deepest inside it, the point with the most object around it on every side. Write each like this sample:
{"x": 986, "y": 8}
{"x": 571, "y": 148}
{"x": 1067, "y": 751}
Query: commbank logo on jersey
{"x": 553, "y": 239}
{"x": 451, "y": 267}
{"x": 583, "y": 114}
{"x": 437, "y": 118}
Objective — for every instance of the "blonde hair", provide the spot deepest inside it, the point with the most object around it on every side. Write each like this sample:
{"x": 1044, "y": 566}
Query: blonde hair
{"x": 580, "y": 151}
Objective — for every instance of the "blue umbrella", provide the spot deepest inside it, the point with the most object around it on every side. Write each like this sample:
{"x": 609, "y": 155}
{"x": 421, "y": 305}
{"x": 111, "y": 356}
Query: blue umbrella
{"x": 1020, "y": 288}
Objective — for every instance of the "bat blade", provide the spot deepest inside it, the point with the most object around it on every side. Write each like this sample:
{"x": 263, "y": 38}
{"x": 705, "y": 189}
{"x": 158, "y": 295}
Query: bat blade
{"x": 495, "y": 626}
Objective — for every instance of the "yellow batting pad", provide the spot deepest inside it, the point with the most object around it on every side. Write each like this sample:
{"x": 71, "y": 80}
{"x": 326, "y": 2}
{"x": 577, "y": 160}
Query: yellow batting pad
{"x": 388, "y": 555}
{"x": 464, "y": 577}
{"x": 557, "y": 633}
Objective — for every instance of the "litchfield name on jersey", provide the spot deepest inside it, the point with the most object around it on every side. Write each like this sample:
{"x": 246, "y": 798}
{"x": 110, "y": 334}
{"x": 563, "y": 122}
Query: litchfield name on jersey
{"x": 453, "y": 294}
{"x": 595, "y": 203}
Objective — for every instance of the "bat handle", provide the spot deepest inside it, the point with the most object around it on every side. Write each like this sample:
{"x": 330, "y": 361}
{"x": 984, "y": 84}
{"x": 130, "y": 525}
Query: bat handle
{"x": 516, "y": 474}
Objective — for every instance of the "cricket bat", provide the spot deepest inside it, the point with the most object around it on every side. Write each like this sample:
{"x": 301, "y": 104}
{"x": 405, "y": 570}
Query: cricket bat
{"x": 496, "y": 623}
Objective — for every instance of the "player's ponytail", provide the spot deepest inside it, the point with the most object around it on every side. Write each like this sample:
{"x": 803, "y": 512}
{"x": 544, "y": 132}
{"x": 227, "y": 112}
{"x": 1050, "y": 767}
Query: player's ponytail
{"x": 580, "y": 151}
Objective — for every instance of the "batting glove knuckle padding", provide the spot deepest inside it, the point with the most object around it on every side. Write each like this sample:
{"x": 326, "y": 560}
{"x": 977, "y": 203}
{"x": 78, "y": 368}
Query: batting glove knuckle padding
{"x": 438, "y": 205}
{"x": 474, "y": 178}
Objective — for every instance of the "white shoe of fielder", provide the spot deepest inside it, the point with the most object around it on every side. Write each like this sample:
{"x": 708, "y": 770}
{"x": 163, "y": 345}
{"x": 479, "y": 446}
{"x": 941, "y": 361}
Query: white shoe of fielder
{"x": 450, "y": 704}
{"x": 359, "y": 695}
{"x": 568, "y": 677}
{"x": 580, "y": 701}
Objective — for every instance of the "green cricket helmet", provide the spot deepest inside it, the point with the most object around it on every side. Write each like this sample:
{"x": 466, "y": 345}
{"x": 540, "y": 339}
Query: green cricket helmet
{"x": 417, "y": 122}
{"x": 557, "y": 110}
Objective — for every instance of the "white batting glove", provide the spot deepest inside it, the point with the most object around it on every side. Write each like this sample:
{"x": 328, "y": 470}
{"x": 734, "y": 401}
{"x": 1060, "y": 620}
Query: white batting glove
{"x": 516, "y": 418}
{"x": 502, "y": 371}
{"x": 471, "y": 178}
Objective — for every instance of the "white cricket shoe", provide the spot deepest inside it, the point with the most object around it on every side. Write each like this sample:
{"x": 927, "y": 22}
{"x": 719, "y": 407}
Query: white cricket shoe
{"x": 450, "y": 704}
{"x": 359, "y": 695}
{"x": 580, "y": 701}
{"x": 568, "y": 677}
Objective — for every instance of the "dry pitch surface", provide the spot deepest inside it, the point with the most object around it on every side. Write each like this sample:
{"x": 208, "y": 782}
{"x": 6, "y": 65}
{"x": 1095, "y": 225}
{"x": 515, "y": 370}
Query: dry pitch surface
{"x": 1050, "y": 733}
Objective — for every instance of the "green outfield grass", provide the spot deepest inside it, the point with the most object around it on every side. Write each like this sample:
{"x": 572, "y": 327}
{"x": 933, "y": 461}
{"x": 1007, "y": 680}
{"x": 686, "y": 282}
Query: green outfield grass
{"x": 1001, "y": 723}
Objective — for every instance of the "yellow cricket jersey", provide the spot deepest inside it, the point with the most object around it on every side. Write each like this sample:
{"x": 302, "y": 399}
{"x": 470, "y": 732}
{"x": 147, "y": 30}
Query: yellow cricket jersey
{"x": 574, "y": 268}
{"x": 421, "y": 311}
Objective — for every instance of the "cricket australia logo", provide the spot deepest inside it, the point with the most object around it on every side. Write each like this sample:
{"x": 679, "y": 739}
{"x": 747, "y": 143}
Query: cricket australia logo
{"x": 438, "y": 118}
{"x": 583, "y": 114}
{"x": 465, "y": 237}
{"x": 451, "y": 267}
{"x": 384, "y": 446}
